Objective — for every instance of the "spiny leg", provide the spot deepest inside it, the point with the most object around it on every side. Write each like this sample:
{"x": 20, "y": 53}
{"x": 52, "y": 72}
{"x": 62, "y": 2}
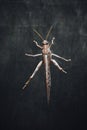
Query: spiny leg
{"x": 36, "y": 55}
{"x": 37, "y": 44}
{"x": 58, "y": 66}
{"x": 60, "y": 57}
{"x": 36, "y": 69}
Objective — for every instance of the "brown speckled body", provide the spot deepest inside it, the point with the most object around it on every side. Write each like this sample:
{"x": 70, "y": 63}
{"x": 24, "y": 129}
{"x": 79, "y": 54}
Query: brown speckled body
{"x": 47, "y": 59}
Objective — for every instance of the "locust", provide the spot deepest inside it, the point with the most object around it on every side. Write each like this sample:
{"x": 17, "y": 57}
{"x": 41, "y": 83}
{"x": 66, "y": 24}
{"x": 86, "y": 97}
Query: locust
{"x": 47, "y": 58}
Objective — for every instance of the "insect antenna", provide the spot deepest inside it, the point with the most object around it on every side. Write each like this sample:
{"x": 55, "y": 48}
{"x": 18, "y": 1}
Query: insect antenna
{"x": 49, "y": 32}
{"x": 38, "y": 34}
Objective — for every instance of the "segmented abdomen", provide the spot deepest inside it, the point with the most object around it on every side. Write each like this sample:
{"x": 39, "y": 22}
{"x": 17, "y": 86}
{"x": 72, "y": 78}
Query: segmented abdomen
{"x": 48, "y": 75}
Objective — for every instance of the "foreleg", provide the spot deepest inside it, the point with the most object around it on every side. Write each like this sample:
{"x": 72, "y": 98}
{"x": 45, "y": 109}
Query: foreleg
{"x": 36, "y": 69}
{"x": 60, "y": 57}
{"x": 37, "y": 44}
{"x": 52, "y": 41}
{"x": 58, "y": 66}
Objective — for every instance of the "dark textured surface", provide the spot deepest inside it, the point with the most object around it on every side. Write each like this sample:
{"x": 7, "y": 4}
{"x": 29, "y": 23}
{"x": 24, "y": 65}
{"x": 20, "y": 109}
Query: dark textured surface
{"x": 28, "y": 109}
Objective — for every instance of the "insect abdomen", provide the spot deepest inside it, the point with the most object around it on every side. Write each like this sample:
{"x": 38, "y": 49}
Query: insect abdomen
{"x": 48, "y": 75}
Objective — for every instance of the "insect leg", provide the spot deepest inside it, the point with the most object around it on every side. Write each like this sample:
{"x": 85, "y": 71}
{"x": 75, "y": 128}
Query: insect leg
{"x": 37, "y": 44}
{"x": 52, "y": 41}
{"x": 60, "y": 57}
{"x": 36, "y": 55}
{"x": 58, "y": 66}
{"x": 36, "y": 69}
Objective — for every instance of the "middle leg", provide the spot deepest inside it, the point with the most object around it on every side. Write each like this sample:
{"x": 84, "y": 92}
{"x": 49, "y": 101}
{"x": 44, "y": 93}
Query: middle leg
{"x": 60, "y": 57}
{"x": 36, "y": 55}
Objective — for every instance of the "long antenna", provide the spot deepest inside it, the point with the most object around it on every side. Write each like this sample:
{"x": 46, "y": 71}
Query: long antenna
{"x": 49, "y": 32}
{"x": 38, "y": 34}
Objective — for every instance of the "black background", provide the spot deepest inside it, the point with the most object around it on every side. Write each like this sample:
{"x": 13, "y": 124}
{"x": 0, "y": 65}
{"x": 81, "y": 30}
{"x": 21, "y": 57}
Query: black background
{"x": 28, "y": 109}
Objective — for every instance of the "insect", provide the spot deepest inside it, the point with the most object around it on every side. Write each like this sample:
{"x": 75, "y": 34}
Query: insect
{"x": 47, "y": 58}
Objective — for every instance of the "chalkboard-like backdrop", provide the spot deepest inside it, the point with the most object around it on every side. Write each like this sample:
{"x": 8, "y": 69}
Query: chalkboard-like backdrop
{"x": 27, "y": 109}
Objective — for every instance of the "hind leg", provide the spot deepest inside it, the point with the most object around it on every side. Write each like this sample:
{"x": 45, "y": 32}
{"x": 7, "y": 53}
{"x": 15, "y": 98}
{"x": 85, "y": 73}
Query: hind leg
{"x": 58, "y": 66}
{"x": 36, "y": 69}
